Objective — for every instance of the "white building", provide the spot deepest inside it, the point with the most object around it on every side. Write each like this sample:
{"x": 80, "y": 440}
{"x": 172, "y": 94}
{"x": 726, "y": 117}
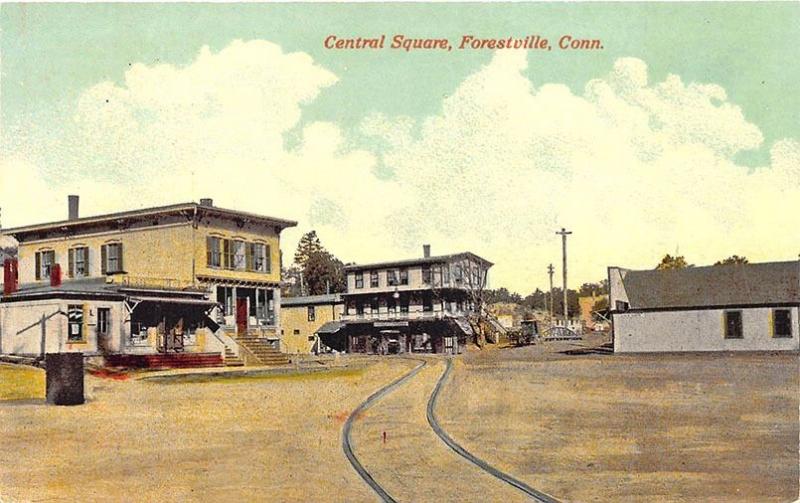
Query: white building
{"x": 749, "y": 307}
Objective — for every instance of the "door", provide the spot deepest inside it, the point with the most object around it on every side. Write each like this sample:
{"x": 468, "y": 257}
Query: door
{"x": 103, "y": 328}
{"x": 242, "y": 313}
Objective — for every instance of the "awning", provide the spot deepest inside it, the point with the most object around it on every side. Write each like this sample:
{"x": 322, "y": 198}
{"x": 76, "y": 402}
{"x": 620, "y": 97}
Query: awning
{"x": 464, "y": 325}
{"x": 330, "y": 327}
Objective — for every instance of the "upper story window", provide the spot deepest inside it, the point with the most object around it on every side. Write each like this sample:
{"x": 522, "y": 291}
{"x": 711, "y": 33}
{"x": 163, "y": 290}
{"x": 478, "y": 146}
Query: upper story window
{"x": 782, "y": 323}
{"x": 360, "y": 279}
{"x": 458, "y": 274}
{"x": 111, "y": 258}
{"x": 733, "y": 325}
{"x": 426, "y": 274}
{"x": 312, "y": 314}
{"x": 44, "y": 263}
{"x": 446, "y": 274}
{"x": 239, "y": 255}
{"x": 403, "y": 276}
{"x": 391, "y": 277}
{"x": 79, "y": 262}
{"x": 213, "y": 251}
{"x": 258, "y": 259}
{"x": 373, "y": 279}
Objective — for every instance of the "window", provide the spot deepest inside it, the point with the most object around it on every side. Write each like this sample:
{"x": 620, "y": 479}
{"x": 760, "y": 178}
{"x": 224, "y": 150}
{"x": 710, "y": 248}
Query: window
{"x": 373, "y": 279}
{"x": 391, "y": 277}
{"x": 426, "y": 275}
{"x": 312, "y": 315}
{"x": 782, "y": 323}
{"x": 239, "y": 255}
{"x": 44, "y": 263}
{"x": 427, "y": 302}
{"x": 213, "y": 251}
{"x": 75, "y": 321}
{"x": 620, "y": 305}
{"x": 296, "y": 331}
{"x": 258, "y": 257}
{"x": 733, "y": 325}
{"x": 111, "y": 258}
{"x": 373, "y": 305}
{"x": 403, "y": 276}
{"x": 227, "y": 254}
{"x": 78, "y": 262}
{"x": 391, "y": 305}
{"x": 103, "y": 320}
{"x": 360, "y": 279}
{"x": 360, "y": 308}
{"x": 446, "y": 274}
{"x": 458, "y": 274}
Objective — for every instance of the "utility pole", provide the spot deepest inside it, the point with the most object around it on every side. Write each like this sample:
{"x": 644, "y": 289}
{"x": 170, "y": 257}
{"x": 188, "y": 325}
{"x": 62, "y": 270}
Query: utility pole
{"x": 550, "y": 271}
{"x": 564, "y": 233}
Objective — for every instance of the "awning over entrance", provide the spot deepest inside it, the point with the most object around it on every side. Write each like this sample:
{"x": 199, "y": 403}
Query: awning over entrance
{"x": 330, "y": 327}
{"x": 464, "y": 325}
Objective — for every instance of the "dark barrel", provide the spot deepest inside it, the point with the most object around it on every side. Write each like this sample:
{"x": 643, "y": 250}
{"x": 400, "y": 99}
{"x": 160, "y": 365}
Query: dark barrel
{"x": 64, "y": 378}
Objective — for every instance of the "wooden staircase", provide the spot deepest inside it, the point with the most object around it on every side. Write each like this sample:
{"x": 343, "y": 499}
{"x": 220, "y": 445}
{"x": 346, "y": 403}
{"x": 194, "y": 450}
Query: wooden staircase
{"x": 231, "y": 359}
{"x": 263, "y": 350}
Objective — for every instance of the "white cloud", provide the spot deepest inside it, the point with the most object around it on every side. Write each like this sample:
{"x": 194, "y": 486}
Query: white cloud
{"x": 634, "y": 168}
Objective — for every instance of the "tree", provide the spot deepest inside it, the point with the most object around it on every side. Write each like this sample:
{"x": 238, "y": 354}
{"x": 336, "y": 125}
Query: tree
{"x": 315, "y": 270}
{"x": 590, "y": 289}
{"x": 670, "y": 262}
{"x": 323, "y": 273}
{"x": 732, "y": 260}
{"x": 308, "y": 245}
{"x": 502, "y": 295}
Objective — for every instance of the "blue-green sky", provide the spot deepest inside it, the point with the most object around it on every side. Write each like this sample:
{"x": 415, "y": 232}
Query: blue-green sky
{"x": 52, "y": 54}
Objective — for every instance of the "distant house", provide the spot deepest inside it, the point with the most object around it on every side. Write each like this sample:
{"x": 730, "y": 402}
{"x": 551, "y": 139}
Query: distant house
{"x": 303, "y": 317}
{"x": 749, "y": 307}
{"x": 415, "y": 305}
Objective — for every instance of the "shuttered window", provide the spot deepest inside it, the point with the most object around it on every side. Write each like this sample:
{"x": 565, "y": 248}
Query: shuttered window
{"x": 79, "y": 262}
{"x": 44, "y": 264}
{"x": 213, "y": 252}
{"x": 111, "y": 258}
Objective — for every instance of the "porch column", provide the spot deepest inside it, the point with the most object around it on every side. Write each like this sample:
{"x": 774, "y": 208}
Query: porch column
{"x": 235, "y": 311}
{"x": 276, "y": 301}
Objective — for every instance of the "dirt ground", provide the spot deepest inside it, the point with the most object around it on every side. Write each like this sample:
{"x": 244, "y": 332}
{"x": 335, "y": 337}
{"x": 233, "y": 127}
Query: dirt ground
{"x": 242, "y": 439}
{"x": 683, "y": 427}
{"x": 412, "y": 464}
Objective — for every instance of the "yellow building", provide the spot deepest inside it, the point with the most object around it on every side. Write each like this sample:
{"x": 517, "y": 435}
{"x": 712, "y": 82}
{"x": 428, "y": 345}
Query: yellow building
{"x": 303, "y": 317}
{"x": 184, "y": 278}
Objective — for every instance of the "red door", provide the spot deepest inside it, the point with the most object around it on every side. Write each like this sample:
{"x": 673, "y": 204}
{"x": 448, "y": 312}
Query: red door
{"x": 241, "y": 316}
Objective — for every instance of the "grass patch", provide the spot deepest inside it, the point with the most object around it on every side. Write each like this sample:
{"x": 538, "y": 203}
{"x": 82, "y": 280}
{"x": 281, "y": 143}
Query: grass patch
{"x": 19, "y": 382}
{"x": 244, "y": 377}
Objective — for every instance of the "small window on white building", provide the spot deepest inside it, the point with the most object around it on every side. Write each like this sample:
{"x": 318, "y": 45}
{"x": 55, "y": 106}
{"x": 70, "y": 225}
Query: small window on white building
{"x": 733, "y": 325}
{"x": 782, "y": 323}
{"x": 75, "y": 323}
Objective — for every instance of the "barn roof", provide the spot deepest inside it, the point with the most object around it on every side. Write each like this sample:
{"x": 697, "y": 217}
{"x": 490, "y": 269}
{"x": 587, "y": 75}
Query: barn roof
{"x": 723, "y": 285}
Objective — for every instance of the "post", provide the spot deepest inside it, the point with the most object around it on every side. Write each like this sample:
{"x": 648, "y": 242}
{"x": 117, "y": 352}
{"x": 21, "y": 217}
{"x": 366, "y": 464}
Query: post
{"x": 564, "y": 233}
{"x": 550, "y": 271}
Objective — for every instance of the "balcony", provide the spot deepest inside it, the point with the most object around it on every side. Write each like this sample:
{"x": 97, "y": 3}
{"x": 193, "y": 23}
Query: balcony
{"x": 412, "y": 315}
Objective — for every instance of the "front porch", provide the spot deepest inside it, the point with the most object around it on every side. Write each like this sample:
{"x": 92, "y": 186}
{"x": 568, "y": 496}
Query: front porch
{"x": 442, "y": 336}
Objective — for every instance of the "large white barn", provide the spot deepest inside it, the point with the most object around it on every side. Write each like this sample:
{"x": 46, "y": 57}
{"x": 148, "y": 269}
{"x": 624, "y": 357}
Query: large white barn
{"x": 741, "y": 307}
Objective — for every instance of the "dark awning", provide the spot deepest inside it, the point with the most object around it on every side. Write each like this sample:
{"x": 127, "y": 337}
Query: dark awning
{"x": 330, "y": 327}
{"x": 173, "y": 300}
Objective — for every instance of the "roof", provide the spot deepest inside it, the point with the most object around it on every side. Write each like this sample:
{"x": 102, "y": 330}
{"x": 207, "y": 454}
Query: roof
{"x": 95, "y": 287}
{"x": 722, "y": 285}
{"x": 417, "y": 261}
{"x": 157, "y": 210}
{"x": 333, "y": 298}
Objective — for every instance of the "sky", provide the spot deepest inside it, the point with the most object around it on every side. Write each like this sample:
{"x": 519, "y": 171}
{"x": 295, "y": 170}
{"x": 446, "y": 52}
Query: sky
{"x": 680, "y": 136}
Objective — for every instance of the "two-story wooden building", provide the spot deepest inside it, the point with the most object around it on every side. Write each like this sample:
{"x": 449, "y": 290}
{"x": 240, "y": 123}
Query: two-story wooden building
{"x": 416, "y": 305}
{"x": 179, "y": 279}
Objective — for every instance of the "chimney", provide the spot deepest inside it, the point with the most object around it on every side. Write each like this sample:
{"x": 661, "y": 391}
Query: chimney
{"x": 73, "y": 206}
{"x": 10, "y": 276}
{"x": 426, "y": 251}
{"x": 206, "y": 201}
{"x": 55, "y": 275}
